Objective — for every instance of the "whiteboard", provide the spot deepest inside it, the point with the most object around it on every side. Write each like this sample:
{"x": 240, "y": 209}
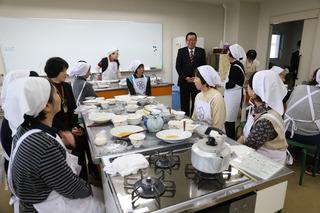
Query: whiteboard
{"x": 27, "y": 43}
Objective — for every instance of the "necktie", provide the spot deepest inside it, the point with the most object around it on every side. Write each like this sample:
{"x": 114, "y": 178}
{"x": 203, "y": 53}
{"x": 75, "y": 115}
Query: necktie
{"x": 191, "y": 56}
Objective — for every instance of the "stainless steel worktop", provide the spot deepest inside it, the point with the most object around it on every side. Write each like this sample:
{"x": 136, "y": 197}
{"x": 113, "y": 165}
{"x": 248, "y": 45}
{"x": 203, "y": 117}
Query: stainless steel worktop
{"x": 189, "y": 197}
{"x": 151, "y": 142}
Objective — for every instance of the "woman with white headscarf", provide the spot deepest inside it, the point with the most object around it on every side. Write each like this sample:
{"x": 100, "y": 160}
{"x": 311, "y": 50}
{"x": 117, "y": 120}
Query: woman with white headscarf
{"x": 81, "y": 88}
{"x": 39, "y": 158}
{"x": 9, "y": 129}
{"x": 109, "y": 65}
{"x": 302, "y": 117}
{"x": 264, "y": 129}
{"x": 233, "y": 88}
{"x": 209, "y": 103}
{"x": 138, "y": 83}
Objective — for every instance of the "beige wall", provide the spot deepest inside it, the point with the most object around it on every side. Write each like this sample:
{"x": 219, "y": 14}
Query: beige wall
{"x": 177, "y": 18}
{"x": 272, "y": 8}
{"x": 242, "y": 24}
{"x": 248, "y": 24}
{"x": 232, "y": 23}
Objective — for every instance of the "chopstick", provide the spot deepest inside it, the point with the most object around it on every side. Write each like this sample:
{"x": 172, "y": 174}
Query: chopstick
{"x": 127, "y": 135}
{"x": 184, "y": 125}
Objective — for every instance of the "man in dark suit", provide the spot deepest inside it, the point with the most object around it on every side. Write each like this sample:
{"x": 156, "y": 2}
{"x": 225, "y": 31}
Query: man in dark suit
{"x": 188, "y": 59}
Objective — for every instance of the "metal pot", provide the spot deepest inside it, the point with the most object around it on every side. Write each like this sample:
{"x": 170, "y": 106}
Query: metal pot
{"x": 211, "y": 155}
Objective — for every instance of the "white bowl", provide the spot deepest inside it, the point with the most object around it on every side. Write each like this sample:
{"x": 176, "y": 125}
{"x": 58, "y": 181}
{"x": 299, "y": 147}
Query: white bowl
{"x": 137, "y": 139}
{"x": 132, "y": 108}
{"x": 120, "y": 120}
{"x": 111, "y": 101}
{"x": 151, "y": 99}
{"x": 179, "y": 115}
{"x": 134, "y": 119}
{"x": 132, "y": 102}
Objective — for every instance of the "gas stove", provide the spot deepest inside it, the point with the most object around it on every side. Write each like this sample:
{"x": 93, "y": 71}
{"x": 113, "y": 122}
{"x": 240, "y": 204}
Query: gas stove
{"x": 168, "y": 182}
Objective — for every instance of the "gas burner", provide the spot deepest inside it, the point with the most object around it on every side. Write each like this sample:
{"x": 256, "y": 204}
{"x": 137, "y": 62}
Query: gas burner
{"x": 202, "y": 179}
{"x": 166, "y": 161}
{"x": 148, "y": 188}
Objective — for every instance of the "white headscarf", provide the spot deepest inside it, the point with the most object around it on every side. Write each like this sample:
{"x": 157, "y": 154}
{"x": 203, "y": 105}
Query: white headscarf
{"x": 318, "y": 78}
{"x": 112, "y": 50}
{"x": 10, "y": 77}
{"x": 210, "y": 75}
{"x": 80, "y": 69}
{"x": 269, "y": 87}
{"x": 26, "y": 96}
{"x": 134, "y": 65}
{"x": 237, "y": 52}
{"x": 277, "y": 69}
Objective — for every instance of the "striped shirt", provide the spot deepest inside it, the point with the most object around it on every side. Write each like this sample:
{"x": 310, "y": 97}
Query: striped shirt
{"x": 39, "y": 167}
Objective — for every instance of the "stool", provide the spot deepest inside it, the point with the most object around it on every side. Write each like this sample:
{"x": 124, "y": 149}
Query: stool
{"x": 305, "y": 148}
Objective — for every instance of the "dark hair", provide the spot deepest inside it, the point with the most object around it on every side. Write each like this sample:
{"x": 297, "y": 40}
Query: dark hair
{"x": 198, "y": 74}
{"x": 313, "y": 81}
{"x": 54, "y": 66}
{"x": 191, "y": 34}
{"x": 141, "y": 65}
{"x": 250, "y": 83}
{"x": 33, "y": 74}
{"x": 30, "y": 120}
{"x": 230, "y": 54}
{"x": 251, "y": 54}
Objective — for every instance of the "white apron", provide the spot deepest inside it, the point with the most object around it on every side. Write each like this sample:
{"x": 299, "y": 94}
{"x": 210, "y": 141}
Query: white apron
{"x": 280, "y": 156}
{"x": 140, "y": 85}
{"x": 203, "y": 110}
{"x": 56, "y": 203}
{"x": 232, "y": 98}
{"x": 289, "y": 120}
{"x": 111, "y": 73}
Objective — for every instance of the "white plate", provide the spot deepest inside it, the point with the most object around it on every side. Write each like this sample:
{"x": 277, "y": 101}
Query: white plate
{"x": 137, "y": 97}
{"x": 124, "y": 130}
{"x": 91, "y": 102}
{"x": 173, "y": 135}
{"x": 100, "y": 117}
{"x": 103, "y": 86}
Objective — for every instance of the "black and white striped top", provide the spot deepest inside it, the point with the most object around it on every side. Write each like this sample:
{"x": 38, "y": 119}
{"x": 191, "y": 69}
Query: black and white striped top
{"x": 39, "y": 167}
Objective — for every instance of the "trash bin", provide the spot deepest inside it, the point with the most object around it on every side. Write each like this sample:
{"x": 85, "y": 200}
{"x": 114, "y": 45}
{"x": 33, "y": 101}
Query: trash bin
{"x": 176, "y": 97}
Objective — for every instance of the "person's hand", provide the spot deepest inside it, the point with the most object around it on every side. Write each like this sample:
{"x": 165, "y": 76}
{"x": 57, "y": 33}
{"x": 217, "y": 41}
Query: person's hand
{"x": 67, "y": 138}
{"x": 241, "y": 140}
{"x": 189, "y": 79}
{"x": 77, "y": 131}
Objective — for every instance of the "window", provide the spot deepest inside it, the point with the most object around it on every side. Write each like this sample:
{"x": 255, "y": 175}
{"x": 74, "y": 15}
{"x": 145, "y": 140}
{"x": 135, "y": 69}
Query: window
{"x": 275, "y": 46}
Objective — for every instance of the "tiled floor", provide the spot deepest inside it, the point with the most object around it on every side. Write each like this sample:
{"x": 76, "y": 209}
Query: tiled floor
{"x": 299, "y": 199}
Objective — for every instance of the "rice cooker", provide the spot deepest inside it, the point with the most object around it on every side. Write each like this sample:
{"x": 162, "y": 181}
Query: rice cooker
{"x": 211, "y": 155}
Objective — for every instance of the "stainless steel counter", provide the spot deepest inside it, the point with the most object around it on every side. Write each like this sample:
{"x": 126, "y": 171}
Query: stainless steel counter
{"x": 116, "y": 197}
{"x": 150, "y": 143}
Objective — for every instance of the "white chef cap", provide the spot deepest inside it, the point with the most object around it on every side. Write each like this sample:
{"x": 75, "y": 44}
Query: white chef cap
{"x": 269, "y": 87}
{"x": 210, "y": 75}
{"x": 277, "y": 69}
{"x": 318, "y": 78}
{"x": 10, "y": 77}
{"x": 26, "y": 96}
{"x": 80, "y": 69}
{"x": 134, "y": 65}
{"x": 237, "y": 52}
{"x": 112, "y": 50}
